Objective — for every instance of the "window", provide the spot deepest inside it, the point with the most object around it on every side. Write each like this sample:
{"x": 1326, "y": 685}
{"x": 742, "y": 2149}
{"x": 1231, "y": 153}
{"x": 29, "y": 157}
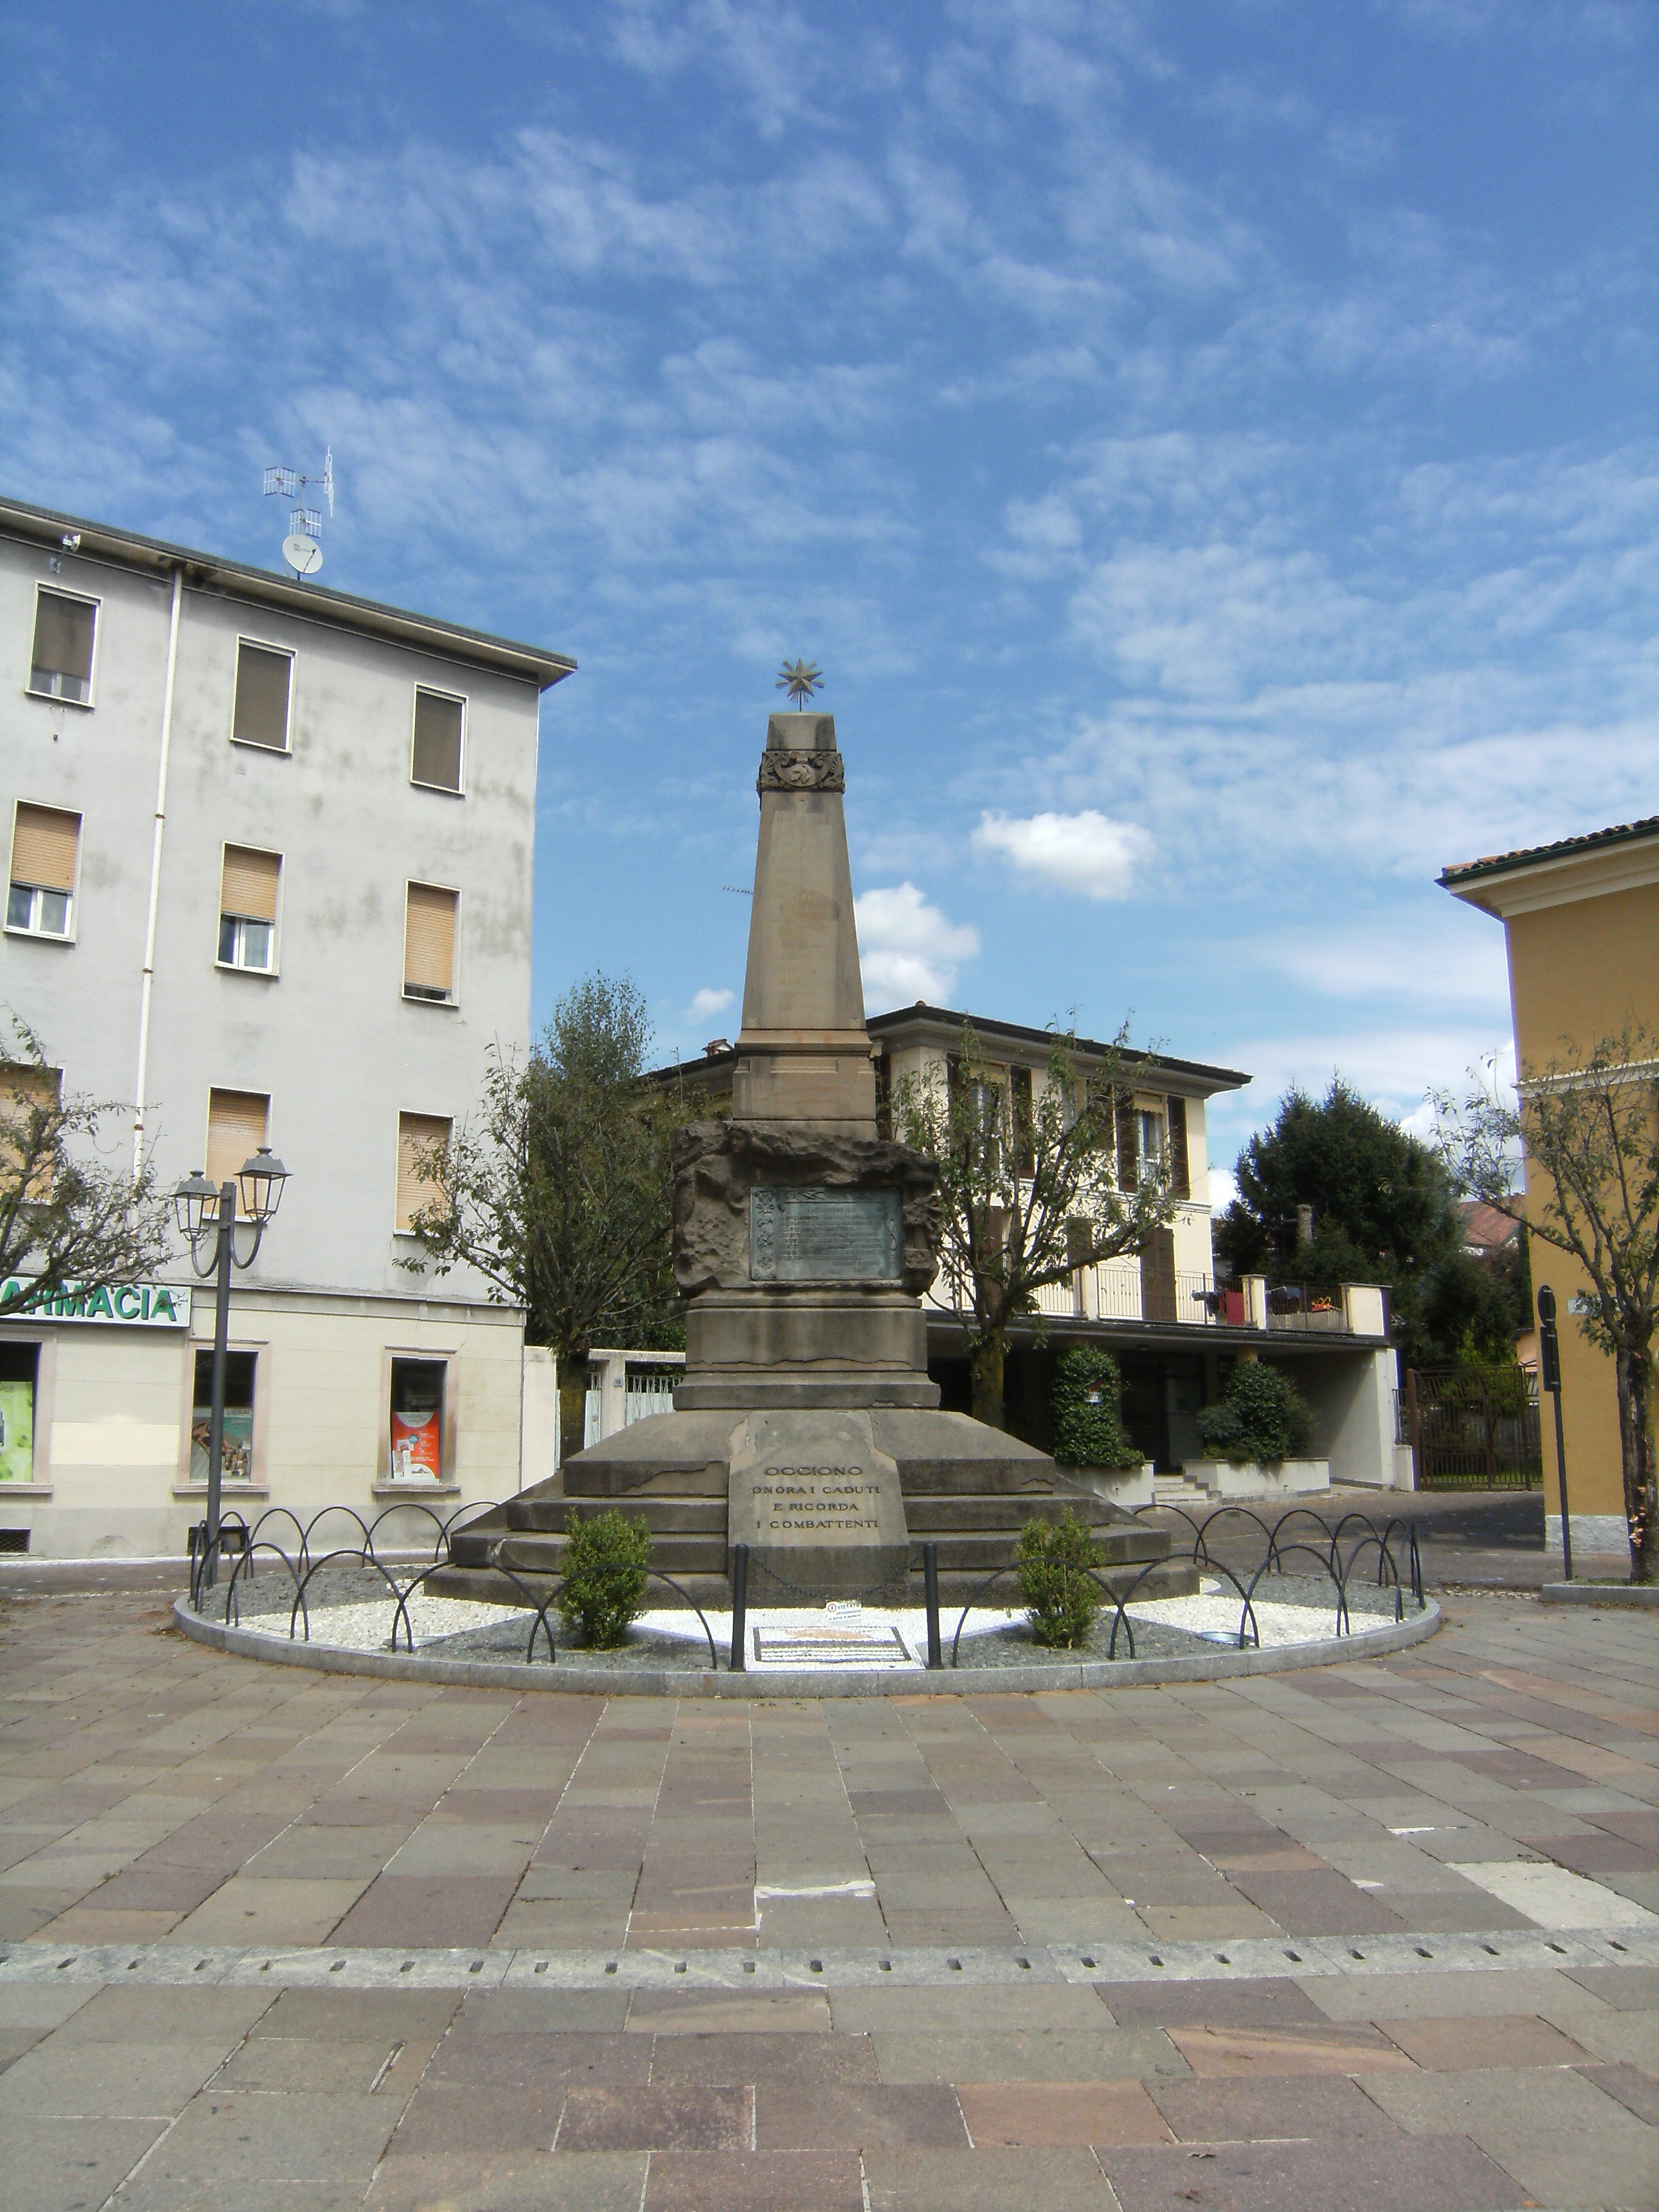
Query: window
{"x": 19, "y": 1371}
{"x": 61, "y": 663}
{"x": 236, "y": 1451}
{"x": 439, "y": 721}
{"x": 417, "y": 1420}
{"x": 247, "y": 908}
{"x": 416, "y": 1133}
{"x": 26, "y": 1145}
{"x": 264, "y": 684}
{"x": 45, "y": 844}
{"x": 430, "y": 944}
{"x": 1149, "y": 1128}
{"x": 237, "y": 1125}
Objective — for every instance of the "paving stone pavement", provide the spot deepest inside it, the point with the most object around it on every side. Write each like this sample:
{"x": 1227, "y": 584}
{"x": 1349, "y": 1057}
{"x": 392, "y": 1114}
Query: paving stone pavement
{"x": 1376, "y": 1934}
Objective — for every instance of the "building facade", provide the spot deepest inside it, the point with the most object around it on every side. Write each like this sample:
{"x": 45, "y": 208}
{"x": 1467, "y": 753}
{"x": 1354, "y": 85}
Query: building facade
{"x": 1174, "y": 1325}
{"x": 1581, "y": 923}
{"x": 271, "y": 852}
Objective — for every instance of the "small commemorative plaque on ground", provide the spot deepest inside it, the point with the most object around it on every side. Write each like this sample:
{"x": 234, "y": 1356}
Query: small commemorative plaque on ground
{"x": 811, "y": 1235}
{"x": 818, "y": 1505}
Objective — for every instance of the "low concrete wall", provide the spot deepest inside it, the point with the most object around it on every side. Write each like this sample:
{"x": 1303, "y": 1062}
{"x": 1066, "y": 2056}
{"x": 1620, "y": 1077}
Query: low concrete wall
{"x": 1285, "y": 1478}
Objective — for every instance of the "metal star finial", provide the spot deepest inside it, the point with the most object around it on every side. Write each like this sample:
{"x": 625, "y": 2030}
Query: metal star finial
{"x": 801, "y": 681}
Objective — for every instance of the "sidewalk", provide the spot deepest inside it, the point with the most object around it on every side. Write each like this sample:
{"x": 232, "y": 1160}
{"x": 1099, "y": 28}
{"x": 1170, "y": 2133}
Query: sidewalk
{"x": 1336, "y": 1938}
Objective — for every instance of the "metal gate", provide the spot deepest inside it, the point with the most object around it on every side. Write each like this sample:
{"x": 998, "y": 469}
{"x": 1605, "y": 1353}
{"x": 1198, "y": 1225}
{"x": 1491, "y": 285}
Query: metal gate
{"x": 1474, "y": 1428}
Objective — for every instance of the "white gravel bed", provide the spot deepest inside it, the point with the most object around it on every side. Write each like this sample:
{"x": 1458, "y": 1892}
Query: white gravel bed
{"x": 892, "y": 1638}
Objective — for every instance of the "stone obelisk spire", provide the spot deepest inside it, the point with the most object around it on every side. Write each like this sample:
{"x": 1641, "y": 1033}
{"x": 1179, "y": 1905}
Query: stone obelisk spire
{"x": 803, "y": 1052}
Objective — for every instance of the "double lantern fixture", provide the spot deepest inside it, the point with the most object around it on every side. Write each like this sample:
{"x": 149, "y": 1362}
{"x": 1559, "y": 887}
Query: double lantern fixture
{"x": 206, "y": 1213}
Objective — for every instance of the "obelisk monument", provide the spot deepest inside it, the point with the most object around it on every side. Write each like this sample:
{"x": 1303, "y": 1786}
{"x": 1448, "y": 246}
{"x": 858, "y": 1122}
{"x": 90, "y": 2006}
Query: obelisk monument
{"x": 802, "y": 1240}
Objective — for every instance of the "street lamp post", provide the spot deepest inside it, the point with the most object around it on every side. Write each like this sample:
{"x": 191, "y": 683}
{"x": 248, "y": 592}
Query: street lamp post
{"x": 207, "y": 1216}
{"x": 1549, "y": 1374}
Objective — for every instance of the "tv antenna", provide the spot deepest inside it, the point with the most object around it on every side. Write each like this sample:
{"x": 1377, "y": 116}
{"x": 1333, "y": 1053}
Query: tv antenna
{"x": 299, "y": 548}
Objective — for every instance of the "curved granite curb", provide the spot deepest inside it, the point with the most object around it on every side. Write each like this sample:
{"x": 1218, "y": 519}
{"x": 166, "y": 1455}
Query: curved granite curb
{"x": 693, "y": 1682}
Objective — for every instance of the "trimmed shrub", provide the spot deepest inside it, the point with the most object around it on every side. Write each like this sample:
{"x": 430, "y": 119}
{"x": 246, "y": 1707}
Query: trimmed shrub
{"x": 1087, "y": 1400}
{"x": 1261, "y": 1416}
{"x": 1055, "y": 1558}
{"x": 606, "y": 1558}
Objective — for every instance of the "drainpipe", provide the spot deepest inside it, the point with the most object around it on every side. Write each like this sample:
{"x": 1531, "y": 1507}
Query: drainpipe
{"x": 155, "y": 878}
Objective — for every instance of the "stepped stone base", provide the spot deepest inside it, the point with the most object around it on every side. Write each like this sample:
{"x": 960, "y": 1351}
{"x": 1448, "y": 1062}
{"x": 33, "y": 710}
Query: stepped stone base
{"x": 966, "y": 1487}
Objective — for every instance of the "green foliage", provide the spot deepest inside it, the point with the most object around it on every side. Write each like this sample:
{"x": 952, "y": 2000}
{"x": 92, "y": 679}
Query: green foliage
{"x": 1054, "y": 1559}
{"x": 1087, "y": 1400}
{"x": 1384, "y": 1210}
{"x": 1261, "y": 1416}
{"x": 65, "y": 1217}
{"x": 1029, "y": 1182}
{"x": 605, "y": 1558}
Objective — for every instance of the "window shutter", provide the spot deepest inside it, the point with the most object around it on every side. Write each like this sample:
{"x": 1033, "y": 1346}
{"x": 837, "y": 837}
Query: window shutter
{"x": 248, "y": 887}
{"x": 416, "y": 1132}
{"x": 237, "y": 1123}
{"x": 1180, "y": 1177}
{"x": 262, "y": 680}
{"x": 43, "y": 840}
{"x": 437, "y": 758}
{"x": 24, "y": 1091}
{"x": 1128, "y": 1141}
{"x": 1019, "y": 1084}
{"x": 430, "y": 940}
{"x": 62, "y": 641}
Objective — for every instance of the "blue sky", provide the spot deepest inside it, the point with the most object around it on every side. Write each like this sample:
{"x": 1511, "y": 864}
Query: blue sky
{"x": 1211, "y": 447}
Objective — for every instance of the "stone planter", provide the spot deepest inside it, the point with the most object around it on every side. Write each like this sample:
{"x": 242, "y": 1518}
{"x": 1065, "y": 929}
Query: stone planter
{"x": 1284, "y": 1478}
{"x": 1125, "y": 1486}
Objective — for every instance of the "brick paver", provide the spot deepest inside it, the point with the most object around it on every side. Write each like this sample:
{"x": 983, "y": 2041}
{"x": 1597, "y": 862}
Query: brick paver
{"x": 207, "y": 1816}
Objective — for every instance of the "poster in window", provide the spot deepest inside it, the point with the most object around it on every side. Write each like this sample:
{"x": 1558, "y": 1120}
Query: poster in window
{"x": 417, "y": 1403}
{"x": 16, "y": 1431}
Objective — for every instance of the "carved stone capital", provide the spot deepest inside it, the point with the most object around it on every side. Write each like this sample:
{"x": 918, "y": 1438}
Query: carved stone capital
{"x": 793, "y": 771}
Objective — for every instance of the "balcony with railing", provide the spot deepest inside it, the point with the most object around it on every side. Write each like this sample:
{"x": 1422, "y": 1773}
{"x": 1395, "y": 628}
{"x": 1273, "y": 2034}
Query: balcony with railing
{"x": 1151, "y": 1295}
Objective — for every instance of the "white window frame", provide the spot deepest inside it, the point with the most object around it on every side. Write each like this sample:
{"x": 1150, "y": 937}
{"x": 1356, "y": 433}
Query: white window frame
{"x": 419, "y": 997}
{"x": 30, "y": 929}
{"x": 291, "y": 654}
{"x": 87, "y": 599}
{"x": 458, "y": 790}
{"x": 238, "y": 967}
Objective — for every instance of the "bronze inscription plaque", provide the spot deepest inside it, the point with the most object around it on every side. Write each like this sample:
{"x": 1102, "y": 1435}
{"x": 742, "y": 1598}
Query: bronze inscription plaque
{"x": 813, "y": 1236}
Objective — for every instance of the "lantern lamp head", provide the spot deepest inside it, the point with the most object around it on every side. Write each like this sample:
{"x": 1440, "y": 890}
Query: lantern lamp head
{"x": 193, "y": 1204}
{"x": 261, "y": 1182}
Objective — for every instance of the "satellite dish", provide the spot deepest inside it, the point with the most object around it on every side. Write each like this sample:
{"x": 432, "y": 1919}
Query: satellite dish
{"x": 303, "y": 555}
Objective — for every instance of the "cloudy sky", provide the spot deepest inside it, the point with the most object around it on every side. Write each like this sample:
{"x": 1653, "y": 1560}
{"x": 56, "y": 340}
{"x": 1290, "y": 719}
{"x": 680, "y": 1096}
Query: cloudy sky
{"x": 1210, "y": 446}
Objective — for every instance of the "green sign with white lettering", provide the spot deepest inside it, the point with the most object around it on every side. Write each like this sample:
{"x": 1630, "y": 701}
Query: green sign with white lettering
{"x": 137, "y": 1305}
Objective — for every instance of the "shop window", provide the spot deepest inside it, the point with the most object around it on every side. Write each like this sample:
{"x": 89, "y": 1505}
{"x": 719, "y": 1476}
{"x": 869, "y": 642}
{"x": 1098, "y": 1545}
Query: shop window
{"x": 439, "y": 725}
{"x": 19, "y": 1366}
{"x": 264, "y": 690}
{"x": 417, "y": 1420}
{"x": 60, "y": 666}
{"x": 236, "y": 1454}
{"x": 247, "y": 908}
{"x": 430, "y": 944}
{"x": 45, "y": 844}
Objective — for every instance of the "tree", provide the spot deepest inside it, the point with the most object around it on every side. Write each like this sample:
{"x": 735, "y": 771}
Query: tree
{"x": 1384, "y": 1210}
{"x": 1589, "y": 1124}
{"x": 65, "y": 1219}
{"x": 1033, "y": 1184}
{"x": 559, "y": 1192}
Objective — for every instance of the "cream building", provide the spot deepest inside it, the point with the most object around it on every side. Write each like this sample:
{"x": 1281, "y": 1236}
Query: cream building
{"x": 1581, "y": 923}
{"x": 1171, "y": 1322}
{"x": 270, "y": 854}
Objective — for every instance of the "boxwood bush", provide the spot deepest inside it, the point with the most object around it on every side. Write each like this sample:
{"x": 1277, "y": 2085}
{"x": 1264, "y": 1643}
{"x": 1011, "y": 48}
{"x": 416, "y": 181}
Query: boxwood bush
{"x": 1055, "y": 1558}
{"x": 1087, "y": 1402}
{"x": 1261, "y": 1416}
{"x": 606, "y": 1558}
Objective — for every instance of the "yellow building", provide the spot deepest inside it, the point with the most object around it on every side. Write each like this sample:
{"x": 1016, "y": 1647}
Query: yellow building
{"x": 1581, "y": 922}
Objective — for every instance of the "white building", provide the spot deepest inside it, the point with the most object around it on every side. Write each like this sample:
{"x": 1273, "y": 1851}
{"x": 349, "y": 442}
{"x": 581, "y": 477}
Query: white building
{"x": 271, "y": 869}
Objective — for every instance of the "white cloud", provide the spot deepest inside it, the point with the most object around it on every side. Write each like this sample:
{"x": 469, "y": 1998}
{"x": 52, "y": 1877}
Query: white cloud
{"x": 1087, "y": 852}
{"x": 908, "y": 949}
{"x": 707, "y": 1004}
